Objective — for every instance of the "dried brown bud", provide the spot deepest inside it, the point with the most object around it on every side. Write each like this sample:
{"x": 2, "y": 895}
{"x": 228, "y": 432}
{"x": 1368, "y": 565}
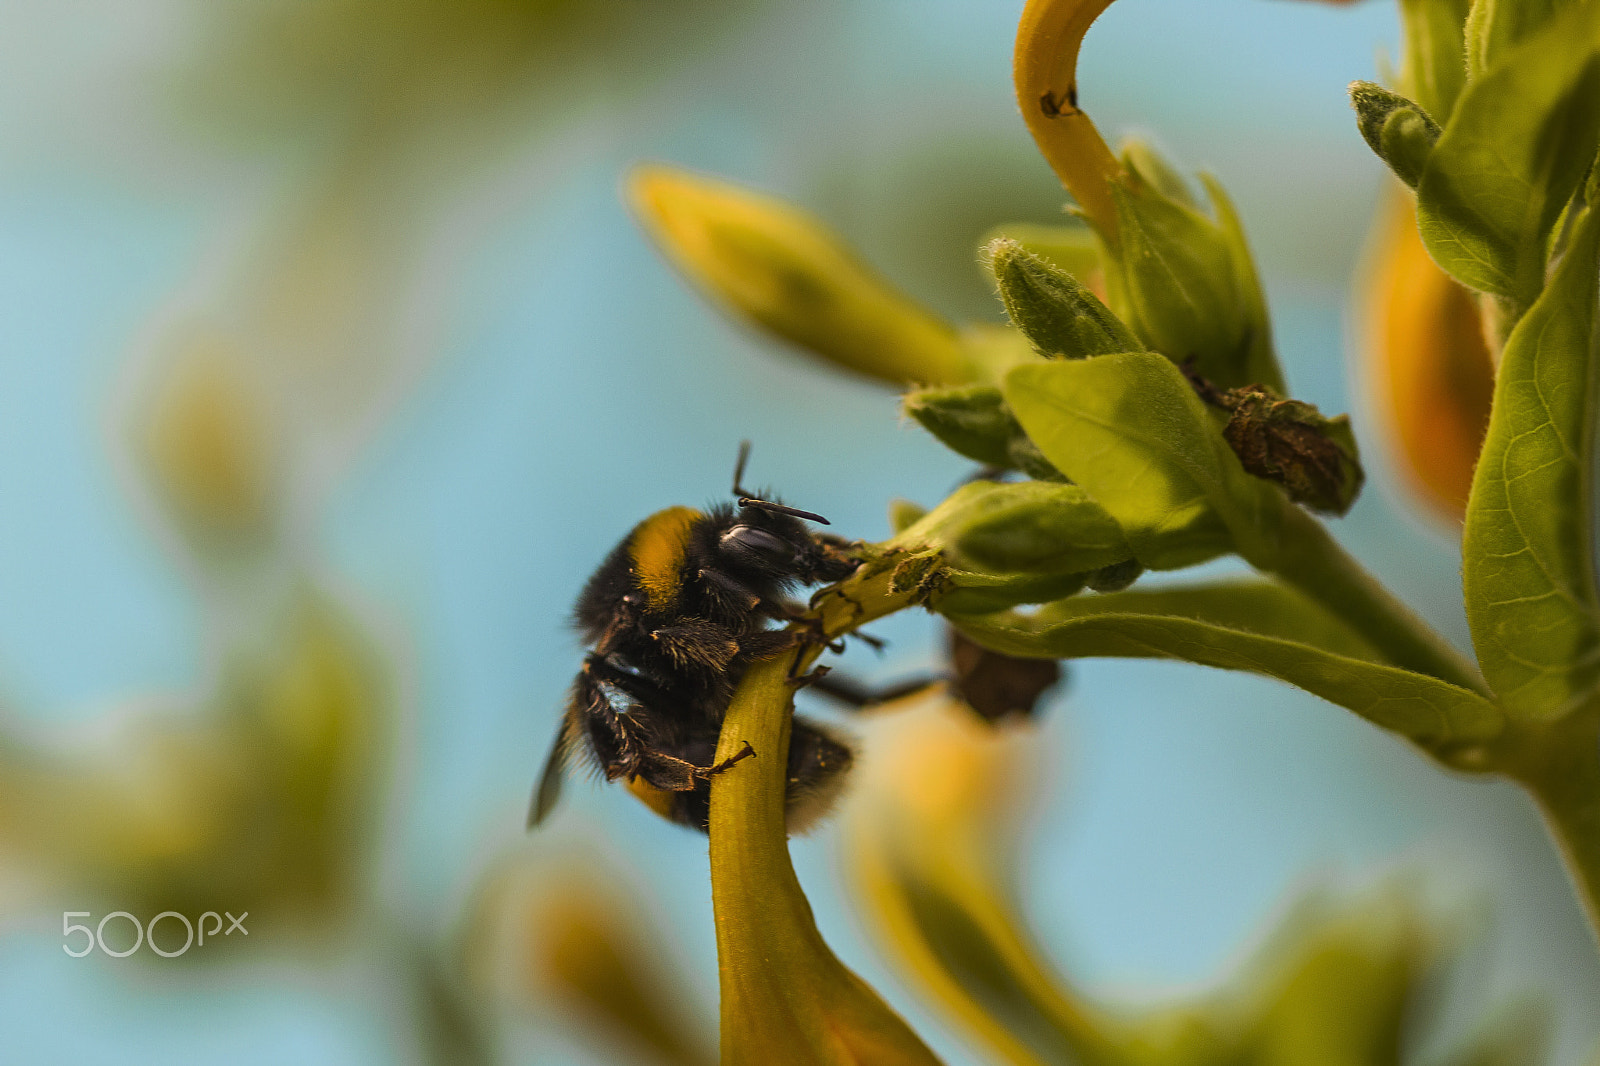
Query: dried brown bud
{"x": 1312, "y": 457}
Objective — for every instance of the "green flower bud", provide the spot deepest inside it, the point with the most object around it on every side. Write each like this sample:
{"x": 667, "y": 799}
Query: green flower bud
{"x": 992, "y": 545}
{"x": 904, "y": 513}
{"x": 1185, "y": 281}
{"x": 1059, "y": 315}
{"x": 1153, "y": 170}
{"x": 1399, "y": 131}
{"x": 974, "y": 421}
{"x": 1026, "y": 457}
{"x": 1074, "y": 248}
{"x": 1039, "y": 527}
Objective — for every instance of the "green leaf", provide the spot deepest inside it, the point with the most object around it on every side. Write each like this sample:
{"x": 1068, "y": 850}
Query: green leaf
{"x": 1260, "y": 627}
{"x": 1130, "y": 430}
{"x": 1434, "y": 68}
{"x": 1494, "y": 26}
{"x": 974, "y": 421}
{"x": 1527, "y": 548}
{"x": 1522, "y": 137}
{"x": 1061, "y": 317}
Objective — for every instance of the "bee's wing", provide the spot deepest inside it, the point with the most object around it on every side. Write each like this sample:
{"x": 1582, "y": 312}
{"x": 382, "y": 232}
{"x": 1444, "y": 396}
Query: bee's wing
{"x": 548, "y": 791}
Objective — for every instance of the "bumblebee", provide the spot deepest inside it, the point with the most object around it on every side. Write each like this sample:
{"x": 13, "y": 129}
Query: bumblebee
{"x": 673, "y": 617}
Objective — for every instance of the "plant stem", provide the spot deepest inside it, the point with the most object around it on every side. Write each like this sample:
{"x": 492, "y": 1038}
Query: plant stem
{"x": 1563, "y": 775}
{"x": 1311, "y": 560}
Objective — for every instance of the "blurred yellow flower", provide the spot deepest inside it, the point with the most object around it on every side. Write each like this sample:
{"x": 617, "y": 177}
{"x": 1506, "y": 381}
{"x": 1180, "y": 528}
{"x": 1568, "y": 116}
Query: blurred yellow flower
{"x": 939, "y": 808}
{"x": 209, "y": 446}
{"x": 942, "y": 801}
{"x": 258, "y": 800}
{"x": 1424, "y": 353}
{"x": 565, "y": 932}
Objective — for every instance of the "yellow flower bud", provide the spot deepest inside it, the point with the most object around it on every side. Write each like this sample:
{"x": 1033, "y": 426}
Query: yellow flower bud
{"x": 783, "y": 271}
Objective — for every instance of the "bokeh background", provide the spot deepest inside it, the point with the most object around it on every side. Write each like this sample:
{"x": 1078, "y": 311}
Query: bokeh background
{"x": 331, "y": 363}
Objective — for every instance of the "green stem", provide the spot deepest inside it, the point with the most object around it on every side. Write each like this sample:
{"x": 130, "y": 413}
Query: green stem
{"x": 1563, "y": 774}
{"x": 1313, "y": 562}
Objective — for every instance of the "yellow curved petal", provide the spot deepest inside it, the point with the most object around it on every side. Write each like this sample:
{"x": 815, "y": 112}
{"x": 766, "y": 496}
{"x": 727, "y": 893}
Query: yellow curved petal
{"x": 1045, "y": 69}
{"x": 786, "y": 998}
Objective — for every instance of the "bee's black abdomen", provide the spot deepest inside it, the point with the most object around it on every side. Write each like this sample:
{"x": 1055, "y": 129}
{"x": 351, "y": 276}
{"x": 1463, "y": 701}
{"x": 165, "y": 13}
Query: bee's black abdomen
{"x": 602, "y": 593}
{"x": 816, "y": 771}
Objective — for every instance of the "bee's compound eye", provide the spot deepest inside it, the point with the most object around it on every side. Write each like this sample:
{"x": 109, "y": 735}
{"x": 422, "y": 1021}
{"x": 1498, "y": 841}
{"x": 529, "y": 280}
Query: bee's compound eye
{"x": 752, "y": 543}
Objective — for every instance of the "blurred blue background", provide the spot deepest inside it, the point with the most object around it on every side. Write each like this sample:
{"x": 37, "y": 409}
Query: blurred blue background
{"x": 523, "y": 379}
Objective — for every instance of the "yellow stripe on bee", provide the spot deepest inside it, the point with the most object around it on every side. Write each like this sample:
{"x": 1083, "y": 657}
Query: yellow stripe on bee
{"x": 658, "y": 546}
{"x": 658, "y": 800}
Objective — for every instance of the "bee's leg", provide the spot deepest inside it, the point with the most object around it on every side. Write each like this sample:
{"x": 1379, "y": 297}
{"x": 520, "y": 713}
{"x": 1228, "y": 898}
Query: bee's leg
{"x": 875, "y": 643}
{"x": 614, "y": 738}
{"x": 857, "y": 696}
{"x": 746, "y": 752}
{"x": 765, "y": 643}
{"x": 732, "y": 592}
{"x": 826, "y": 559}
{"x": 698, "y": 643}
{"x": 735, "y": 595}
{"x": 672, "y": 774}
{"x": 812, "y": 677}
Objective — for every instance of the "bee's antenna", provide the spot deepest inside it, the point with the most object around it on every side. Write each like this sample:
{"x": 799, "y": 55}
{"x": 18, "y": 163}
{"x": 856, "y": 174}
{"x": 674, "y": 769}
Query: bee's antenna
{"x": 738, "y": 468}
{"x": 747, "y": 500}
